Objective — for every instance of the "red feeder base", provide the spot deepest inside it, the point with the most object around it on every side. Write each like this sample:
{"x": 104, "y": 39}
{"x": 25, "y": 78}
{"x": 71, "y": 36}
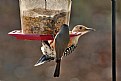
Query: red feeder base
{"x": 19, "y": 35}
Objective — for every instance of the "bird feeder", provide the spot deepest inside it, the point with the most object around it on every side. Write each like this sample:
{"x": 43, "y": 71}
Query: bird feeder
{"x": 42, "y": 18}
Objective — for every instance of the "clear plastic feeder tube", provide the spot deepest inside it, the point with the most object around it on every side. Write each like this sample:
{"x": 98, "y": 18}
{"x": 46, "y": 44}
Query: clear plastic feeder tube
{"x": 44, "y": 16}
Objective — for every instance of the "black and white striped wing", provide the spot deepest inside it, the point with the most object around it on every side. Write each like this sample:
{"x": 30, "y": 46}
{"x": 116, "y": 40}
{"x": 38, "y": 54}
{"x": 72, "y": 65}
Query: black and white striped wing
{"x": 69, "y": 50}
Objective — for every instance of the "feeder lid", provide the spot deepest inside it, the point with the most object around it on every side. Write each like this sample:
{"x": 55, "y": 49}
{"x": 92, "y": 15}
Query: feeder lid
{"x": 19, "y": 35}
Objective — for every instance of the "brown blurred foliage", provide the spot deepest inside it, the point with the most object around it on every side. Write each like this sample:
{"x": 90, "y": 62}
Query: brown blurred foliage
{"x": 91, "y": 61}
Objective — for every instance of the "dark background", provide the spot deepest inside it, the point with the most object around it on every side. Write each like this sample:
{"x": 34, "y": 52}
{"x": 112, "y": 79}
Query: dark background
{"x": 91, "y": 61}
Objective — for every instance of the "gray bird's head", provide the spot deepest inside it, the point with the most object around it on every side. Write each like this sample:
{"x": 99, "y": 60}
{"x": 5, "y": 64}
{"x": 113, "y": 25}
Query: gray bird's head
{"x": 64, "y": 28}
{"x": 83, "y": 29}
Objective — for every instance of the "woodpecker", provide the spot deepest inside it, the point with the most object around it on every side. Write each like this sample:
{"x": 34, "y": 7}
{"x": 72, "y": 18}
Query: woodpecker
{"x": 48, "y": 46}
{"x": 81, "y": 29}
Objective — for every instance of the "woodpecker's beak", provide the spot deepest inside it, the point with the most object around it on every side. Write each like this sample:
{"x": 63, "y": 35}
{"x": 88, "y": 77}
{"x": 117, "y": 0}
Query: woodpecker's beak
{"x": 90, "y": 29}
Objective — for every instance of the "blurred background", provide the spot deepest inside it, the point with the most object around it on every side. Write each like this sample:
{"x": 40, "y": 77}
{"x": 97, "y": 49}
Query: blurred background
{"x": 91, "y": 61}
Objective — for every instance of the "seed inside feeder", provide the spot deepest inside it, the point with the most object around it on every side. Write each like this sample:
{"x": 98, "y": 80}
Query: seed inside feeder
{"x": 48, "y": 22}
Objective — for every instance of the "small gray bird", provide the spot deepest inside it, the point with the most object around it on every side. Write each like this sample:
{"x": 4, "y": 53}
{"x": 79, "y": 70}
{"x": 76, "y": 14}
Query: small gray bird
{"x": 61, "y": 43}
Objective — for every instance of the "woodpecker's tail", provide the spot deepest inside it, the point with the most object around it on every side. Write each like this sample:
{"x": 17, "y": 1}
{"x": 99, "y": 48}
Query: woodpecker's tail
{"x": 57, "y": 69}
{"x": 43, "y": 59}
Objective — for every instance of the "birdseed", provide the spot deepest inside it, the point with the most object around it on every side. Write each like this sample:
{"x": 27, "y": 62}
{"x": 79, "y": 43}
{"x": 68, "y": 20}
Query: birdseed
{"x": 49, "y": 22}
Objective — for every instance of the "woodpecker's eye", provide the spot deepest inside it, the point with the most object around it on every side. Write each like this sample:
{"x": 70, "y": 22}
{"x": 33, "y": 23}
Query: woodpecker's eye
{"x": 80, "y": 27}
